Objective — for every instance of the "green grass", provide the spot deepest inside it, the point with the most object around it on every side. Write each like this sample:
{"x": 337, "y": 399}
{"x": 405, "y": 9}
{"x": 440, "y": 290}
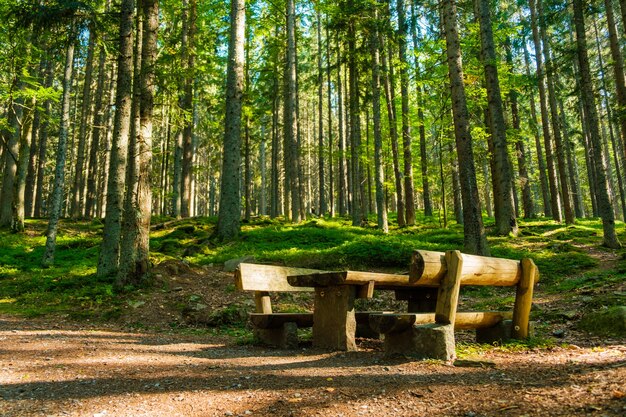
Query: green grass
{"x": 72, "y": 287}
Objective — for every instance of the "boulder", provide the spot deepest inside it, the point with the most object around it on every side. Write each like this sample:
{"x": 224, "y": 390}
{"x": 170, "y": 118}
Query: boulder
{"x": 232, "y": 264}
{"x": 607, "y": 322}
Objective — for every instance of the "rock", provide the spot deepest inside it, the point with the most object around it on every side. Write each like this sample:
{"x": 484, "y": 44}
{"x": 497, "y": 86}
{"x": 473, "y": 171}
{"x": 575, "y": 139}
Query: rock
{"x": 232, "y": 264}
{"x": 560, "y": 333}
{"x": 607, "y": 322}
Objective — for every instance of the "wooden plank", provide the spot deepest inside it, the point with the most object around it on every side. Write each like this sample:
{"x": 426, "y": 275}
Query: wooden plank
{"x": 386, "y": 323}
{"x": 448, "y": 295}
{"x": 524, "y": 299}
{"x": 332, "y": 278}
{"x": 302, "y": 320}
{"x": 429, "y": 267}
{"x": 263, "y": 302}
{"x": 256, "y": 277}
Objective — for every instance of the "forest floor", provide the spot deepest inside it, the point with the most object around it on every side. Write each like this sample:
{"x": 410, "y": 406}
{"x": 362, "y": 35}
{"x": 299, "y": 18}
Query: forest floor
{"x": 58, "y": 366}
{"x": 180, "y": 347}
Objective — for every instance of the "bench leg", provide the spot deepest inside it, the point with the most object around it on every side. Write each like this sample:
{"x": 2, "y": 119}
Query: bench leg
{"x": 427, "y": 341}
{"x": 285, "y": 337}
{"x": 334, "y": 323}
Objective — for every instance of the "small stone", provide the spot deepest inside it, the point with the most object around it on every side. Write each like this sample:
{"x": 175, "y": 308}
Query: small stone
{"x": 560, "y": 333}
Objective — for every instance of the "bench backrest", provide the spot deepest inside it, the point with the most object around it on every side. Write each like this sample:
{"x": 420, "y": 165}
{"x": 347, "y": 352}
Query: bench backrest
{"x": 268, "y": 278}
{"x": 429, "y": 267}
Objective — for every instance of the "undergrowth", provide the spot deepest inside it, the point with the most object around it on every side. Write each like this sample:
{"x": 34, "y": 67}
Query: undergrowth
{"x": 71, "y": 286}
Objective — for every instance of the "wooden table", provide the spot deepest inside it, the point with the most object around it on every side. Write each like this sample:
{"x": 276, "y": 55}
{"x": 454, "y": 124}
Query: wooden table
{"x": 334, "y": 322}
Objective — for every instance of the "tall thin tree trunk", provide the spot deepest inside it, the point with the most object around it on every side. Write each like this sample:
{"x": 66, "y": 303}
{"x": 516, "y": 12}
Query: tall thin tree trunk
{"x": 59, "y": 174}
{"x": 96, "y": 133}
{"x": 428, "y": 205}
{"x": 543, "y": 178}
{"x": 555, "y": 204}
{"x": 556, "y": 122}
{"x": 19, "y": 186}
{"x": 135, "y": 267}
{"x": 406, "y": 127}
{"x": 78, "y": 197}
{"x": 524, "y": 180}
{"x": 320, "y": 121}
{"x": 108, "y": 261}
{"x": 604, "y": 204}
{"x": 188, "y": 58}
{"x": 381, "y": 208}
{"x": 388, "y": 83}
{"x": 230, "y": 201}
{"x": 475, "y": 240}
{"x": 506, "y": 222}
{"x": 331, "y": 179}
{"x": 291, "y": 117}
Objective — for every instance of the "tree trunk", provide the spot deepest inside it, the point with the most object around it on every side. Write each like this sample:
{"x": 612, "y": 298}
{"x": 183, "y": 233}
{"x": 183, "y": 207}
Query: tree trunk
{"x": 381, "y": 208}
{"x": 78, "y": 188}
{"x": 543, "y": 179}
{"x": 342, "y": 180}
{"x": 388, "y": 81}
{"x": 331, "y": 179}
{"x": 291, "y": 117}
{"x": 11, "y": 137}
{"x": 428, "y": 205}
{"x": 506, "y": 223}
{"x": 320, "y": 117}
{"x": 134, "y": 267}
{"x": 108, "y": 261}
{"x": 604, "y": 204}
{"x": 19, "y": 186}
{"x": 555, "y": 205}
{"x": 572, "y": 168}
{"x": 42, "y": 148}
{"x": 475, "y": 240}
{"x": 188, "y": 58}
{"x": 406, "y": 127}
{"x": 96, "y": 133}
{"x": 59, "y": 174}
{"x": 522, "y": 164}
{"x": 230, "y": 201}
{"x": 556, "y": 123}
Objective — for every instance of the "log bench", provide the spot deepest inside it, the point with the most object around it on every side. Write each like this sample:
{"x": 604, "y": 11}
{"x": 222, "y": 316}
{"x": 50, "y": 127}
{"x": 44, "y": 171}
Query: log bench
{"x": 431, "y": 334}
{"x": 280, "y": 329}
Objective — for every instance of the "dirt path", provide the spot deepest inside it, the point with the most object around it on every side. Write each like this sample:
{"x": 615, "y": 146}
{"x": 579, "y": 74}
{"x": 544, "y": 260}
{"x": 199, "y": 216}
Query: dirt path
{"x": 66, "y": 370}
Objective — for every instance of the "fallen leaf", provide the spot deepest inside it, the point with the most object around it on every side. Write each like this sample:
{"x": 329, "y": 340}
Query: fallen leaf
{"x": 329, "y": 389}
{"x": 618, "y": 395}
{"x": 295, "y": 400}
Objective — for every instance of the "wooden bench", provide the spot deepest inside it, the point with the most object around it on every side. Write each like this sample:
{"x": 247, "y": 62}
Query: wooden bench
{"x": 431, "y": 334}
{"x": 280, "y": 329}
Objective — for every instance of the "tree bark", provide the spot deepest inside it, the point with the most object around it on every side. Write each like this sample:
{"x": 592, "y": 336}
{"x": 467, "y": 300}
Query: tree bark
{"x": 428, "y": 205}
{"x": 78, "y": 188}
{"x": 59, "y": 174}
{"x": 381, "y": 208}
{"x": 320, "y": 118}
{"x": 291, "y": 117}
{"x": 108, "y": 261}
{"x": 475, "y": 240}
{"x": 604, "y": 204}
{"x": 556, "y": 123}
{"x": 406, "y": 127}
{"x": 543, "y": 179}
{"x": 134, "y": 267}
{"x": 230, "y": 199}
{"x": 555, "y": 204}
{"x": 506, "y": 222}
{"x": 188, "y": 58}
{"x": 522, "y": 164}
{"x": 388, "y": 82}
